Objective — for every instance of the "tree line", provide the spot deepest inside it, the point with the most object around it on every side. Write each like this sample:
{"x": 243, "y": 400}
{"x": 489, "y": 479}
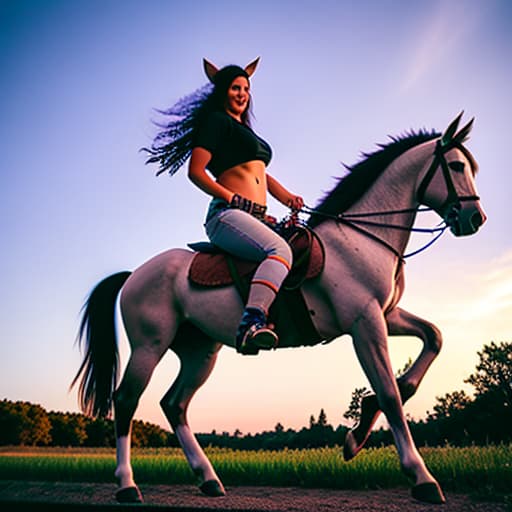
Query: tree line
{"x": 456, "y": 418}
{"x": 27, "y": 424}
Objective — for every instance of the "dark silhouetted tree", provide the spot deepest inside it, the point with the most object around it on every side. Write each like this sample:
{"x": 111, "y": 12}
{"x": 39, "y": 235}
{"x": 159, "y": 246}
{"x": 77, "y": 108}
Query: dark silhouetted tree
{"x": 68, "y": 429}
{"x": 100, "y": 432}
{"x": 322, "y": 419}
{"x": 354, "y": 409}
{"x": 23, "y": 423}
{"x": 450, "y": 404}
{"x": 494, "y": 372}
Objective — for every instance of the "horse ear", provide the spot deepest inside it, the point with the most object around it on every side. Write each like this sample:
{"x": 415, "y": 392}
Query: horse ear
{"x": 464, "y": 132}
{"x": 210, "y": 69}
{"x": 450, "y": 131}
{"x": 251, "y": 68}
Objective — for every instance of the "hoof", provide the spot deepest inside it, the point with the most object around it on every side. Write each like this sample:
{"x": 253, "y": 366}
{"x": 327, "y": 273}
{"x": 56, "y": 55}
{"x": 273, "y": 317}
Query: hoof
{"x": 429, "y": 492}
{"x": 350, "y": 448}
{"x": 212, "y": 488}
{"x": 129, "y": 495}
{"x": 357, "y": 437}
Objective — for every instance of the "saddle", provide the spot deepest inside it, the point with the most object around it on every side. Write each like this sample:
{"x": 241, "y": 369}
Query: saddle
{"x": 212, "y": 267}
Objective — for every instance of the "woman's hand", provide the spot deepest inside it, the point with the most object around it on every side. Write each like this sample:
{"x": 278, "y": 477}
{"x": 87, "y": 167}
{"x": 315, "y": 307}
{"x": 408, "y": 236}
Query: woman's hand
{"x": 283, "y": 195}
{"x": 295, "y": 202}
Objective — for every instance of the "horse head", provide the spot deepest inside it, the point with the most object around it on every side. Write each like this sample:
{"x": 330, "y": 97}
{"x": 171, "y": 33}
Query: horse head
{"x": 448, "y": 185}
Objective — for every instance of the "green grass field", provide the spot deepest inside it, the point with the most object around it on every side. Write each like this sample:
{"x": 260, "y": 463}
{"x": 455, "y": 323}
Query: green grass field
{"x": 474, "y": 469}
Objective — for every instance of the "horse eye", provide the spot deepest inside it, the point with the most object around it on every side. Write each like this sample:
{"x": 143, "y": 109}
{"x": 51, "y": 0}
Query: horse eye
{"x": 456, "y": 166}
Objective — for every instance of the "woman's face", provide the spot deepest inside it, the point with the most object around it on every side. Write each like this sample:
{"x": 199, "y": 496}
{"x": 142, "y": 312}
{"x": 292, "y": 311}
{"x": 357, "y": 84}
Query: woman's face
{"x": 237, "y": 97}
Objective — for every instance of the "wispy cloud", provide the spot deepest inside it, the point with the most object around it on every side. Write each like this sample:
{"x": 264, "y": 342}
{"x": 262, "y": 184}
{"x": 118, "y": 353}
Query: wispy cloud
{"x": 476, "y": 293}
{"x": 479, "y": 292}
{"x": 494, "y": 295}
{"x": 437, "y": 39}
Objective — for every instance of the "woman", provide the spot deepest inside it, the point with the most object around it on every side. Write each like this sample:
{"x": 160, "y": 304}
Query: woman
{"x": 212, "y": 126}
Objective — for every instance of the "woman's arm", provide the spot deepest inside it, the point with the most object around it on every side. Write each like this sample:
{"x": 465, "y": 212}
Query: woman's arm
{"x": 283, "y": 195}
{"x": 197, "y": 173}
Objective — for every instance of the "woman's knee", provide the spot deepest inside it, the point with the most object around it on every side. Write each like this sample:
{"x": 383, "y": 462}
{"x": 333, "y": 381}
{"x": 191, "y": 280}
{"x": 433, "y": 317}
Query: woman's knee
{"x": 283, "y": 251}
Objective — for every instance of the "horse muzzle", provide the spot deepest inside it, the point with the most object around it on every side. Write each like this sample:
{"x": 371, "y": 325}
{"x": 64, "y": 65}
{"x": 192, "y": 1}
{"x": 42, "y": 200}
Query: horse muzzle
{"x": 466, "y": 219}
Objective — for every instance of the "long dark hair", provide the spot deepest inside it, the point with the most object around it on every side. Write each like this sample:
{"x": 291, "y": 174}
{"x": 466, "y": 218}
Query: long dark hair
{"x": 173, "y": 144}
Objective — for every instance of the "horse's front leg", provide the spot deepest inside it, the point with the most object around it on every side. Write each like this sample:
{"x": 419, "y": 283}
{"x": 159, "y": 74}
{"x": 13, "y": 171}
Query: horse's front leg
{"x": 400, "y": 323}
{"x": 403, "y": 323}
{"x": 197, "y": 355}
{"x": 370, "y": 342}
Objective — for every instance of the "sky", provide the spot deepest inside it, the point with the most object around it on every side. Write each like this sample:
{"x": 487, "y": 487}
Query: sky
{"x": 79, "y": 85}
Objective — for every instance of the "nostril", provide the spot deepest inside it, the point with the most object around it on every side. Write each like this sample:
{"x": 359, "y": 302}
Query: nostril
{"x": 477, "y": 220}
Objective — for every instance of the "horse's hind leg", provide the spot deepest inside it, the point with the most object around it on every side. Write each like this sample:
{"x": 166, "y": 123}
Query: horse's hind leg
{"x": 143, "y": 361}
{"x": 150, "y": 336}
{"x": 400, "y": 323}
{"x": 136, "y": 377}
{"x": 370, "y": 342}
{"x": 197, "y": 354}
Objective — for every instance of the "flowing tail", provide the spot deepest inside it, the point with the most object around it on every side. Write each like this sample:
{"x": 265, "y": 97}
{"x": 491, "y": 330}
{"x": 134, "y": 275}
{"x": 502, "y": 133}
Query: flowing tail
{"x": 98, "y": 372}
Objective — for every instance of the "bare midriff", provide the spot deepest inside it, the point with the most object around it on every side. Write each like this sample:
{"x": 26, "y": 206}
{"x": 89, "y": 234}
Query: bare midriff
{"x": 247, "y": 179}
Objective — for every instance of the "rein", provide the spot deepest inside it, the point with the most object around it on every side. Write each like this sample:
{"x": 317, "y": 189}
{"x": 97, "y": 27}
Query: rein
{"x": 354, "y": 220}
{"x": 452, "y": 205}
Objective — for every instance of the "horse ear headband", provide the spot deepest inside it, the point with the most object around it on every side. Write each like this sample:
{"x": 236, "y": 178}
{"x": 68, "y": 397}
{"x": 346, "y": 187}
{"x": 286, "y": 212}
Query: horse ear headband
{"x": 211, "y": 69}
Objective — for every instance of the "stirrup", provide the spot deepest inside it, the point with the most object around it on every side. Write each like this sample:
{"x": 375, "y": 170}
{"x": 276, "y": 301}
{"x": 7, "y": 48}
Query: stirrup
{"x": 253, "y": 333}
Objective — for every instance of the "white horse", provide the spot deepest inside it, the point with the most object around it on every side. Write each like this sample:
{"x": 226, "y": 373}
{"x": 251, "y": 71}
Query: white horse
{"x": 364, "y": 224}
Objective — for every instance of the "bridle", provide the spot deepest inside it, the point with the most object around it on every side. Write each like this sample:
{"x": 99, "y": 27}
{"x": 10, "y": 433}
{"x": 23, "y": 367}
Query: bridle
{"x": 452, "y": 203}
{"x": 449, "y": 208}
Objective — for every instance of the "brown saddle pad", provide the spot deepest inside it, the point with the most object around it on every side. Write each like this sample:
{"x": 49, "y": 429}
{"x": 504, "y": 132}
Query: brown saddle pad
{"x": 213, "y": 268}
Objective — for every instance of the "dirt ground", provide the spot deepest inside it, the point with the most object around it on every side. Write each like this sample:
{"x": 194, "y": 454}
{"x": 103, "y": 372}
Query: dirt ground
{"x": 36, "y": 496}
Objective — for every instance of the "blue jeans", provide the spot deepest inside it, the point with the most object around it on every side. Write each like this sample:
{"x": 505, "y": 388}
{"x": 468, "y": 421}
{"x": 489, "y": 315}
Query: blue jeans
{"x": 239, "y": 233}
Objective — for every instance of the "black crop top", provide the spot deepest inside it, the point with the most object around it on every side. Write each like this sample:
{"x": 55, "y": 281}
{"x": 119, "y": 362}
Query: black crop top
{"x": 231, "y": 143}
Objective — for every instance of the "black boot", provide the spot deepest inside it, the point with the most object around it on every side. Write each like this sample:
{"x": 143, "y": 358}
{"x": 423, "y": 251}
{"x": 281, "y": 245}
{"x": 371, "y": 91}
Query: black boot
{"x": 253, "y": 333}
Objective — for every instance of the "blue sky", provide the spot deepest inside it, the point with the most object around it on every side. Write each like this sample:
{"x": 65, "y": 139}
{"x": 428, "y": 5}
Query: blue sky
{"x": 79, "y": 84}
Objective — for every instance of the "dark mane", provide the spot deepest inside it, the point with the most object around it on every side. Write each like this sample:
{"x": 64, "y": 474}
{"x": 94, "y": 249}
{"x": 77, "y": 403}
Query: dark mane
{"x": 361, "y": 176}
